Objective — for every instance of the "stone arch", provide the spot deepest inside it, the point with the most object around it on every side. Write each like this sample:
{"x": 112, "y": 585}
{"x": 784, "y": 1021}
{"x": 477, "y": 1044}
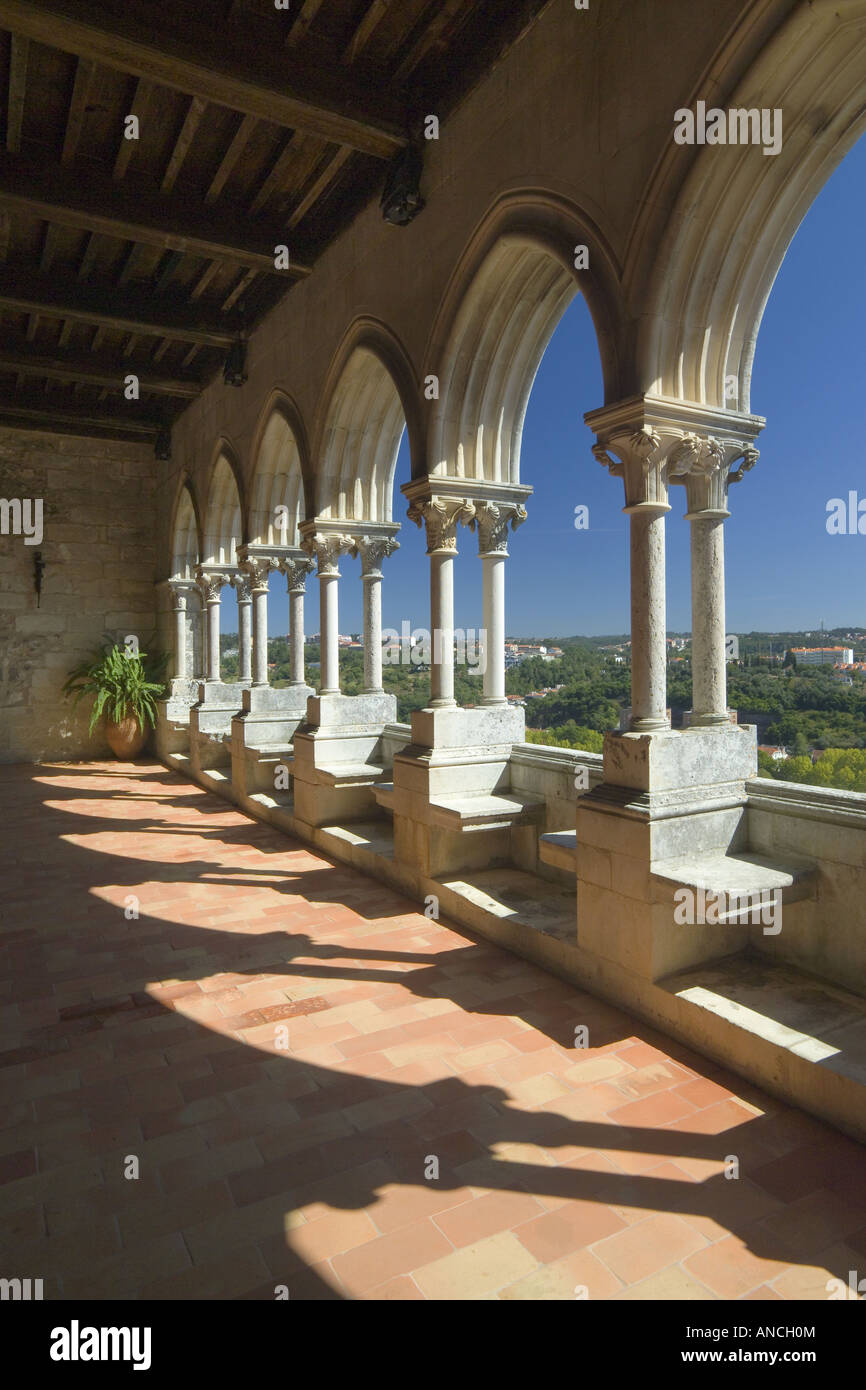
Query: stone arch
{"x": 224, "y": 510}
{"x": 370, "y": 398}
{"x": 279, "y": 456}
{"x": 738, "y": 209}
{"x": 186, "y": 542}
{"x": 510, "y": 290}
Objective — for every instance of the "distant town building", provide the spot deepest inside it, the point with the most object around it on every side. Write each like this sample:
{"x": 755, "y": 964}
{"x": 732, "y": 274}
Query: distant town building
{"x": 773, "y": 750}
{"x": 823, "y": 656}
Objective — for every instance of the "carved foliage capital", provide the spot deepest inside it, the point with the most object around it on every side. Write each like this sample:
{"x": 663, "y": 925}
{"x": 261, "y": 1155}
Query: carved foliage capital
{"x": 373, "y": 550}
{"x": 257, "y": 568}
{"x": 296, "y": 572}
{"x": 492, "y": 520}
{"x": 441, "y": 516}
{"x": 638, "y": 458}
{"x": 327, "y": 547}
{"x": 211, "y": 583}
{"x": 701, "y": 463}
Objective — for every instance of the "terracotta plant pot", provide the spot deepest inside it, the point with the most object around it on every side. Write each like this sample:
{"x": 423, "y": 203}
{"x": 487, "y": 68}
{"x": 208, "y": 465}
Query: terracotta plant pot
{"x": 125, "y": 739}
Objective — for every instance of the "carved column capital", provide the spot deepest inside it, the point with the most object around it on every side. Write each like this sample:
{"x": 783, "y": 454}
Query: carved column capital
{"x": 210, "y": 583}
{"x": 242, "y": 584}
{"x": 373, "y": 550}
{"x": 327, "y": 547}
{"x": 296, "y": 571}
{"x": 441, "y": 516}
{"x": 702, "y": 464}
{"x": 639, "y": 459}
{"x": 492, "y": 520}
{"x": 257, "y": 568}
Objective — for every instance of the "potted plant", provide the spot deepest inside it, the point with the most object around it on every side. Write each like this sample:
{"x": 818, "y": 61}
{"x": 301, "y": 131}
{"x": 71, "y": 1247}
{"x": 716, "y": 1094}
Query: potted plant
{"x": 125, "y": 687}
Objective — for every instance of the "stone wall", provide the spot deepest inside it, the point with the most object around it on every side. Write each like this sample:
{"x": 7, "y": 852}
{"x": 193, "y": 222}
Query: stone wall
{"x": 98, "y": 547}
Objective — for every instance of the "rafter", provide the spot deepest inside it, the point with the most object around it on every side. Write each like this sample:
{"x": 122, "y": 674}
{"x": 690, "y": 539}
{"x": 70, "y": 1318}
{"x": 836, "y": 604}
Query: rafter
{"x": 325, "y": 178}
{"x": 18, "y": 57}
{"x": 375, "y": 14}
{"x": 181, "y": 149}
{"x": 50, "y": 192}
{"x": 231, "y": 157}
{"x": 28, "y": 292}
{"x": 307, "y": 13}
{"x": 140, "y": 103}
{"x": 30, "y": 410}
{"x": 225, "y": 71}
{"x": 84, "y": 70}
{"x": 93, "y": 370}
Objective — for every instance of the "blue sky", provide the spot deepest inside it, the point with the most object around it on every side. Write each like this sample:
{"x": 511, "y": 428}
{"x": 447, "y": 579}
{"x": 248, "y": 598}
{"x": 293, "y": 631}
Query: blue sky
{"x": 783, "y": 569}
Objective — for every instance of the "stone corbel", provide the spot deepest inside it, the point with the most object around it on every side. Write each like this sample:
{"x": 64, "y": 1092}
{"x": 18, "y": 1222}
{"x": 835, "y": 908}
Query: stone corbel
{"x": 492, "y": 520}
{"x": 441, "y": 516}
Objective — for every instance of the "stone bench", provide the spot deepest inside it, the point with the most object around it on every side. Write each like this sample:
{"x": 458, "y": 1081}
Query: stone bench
{"x": 558, "y": 849}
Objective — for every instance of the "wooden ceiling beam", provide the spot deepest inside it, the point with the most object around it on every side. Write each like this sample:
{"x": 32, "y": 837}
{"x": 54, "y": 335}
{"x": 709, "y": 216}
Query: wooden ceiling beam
{"x": 84, "y": 71}
{"x": 184, "y": 140}
{"x": 375, "y": 14}
{"x": 32, "y": 411}
{"x": 219, "y": 69}
{"x": 306, "y": 14}
{"x": 54, "y": 194}
{"x": 93, "y": 370}
{"x": 140, "y": 105}
{"x": 18, "y": 58}
{"x": 28, "y": 292}
{"x": 231, "y": 157}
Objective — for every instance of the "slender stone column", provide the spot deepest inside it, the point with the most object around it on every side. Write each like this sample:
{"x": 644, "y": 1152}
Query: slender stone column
{"x": 373, "y": 550}
{"x": 441, "y": 517}
{"x": 211, "y": 584}
{"x": 701, "y": 463}
{"x": 492, "y": 520}
{"x": 241, "y": 583}
{"x": 181, "y": 661}
{"x": 258, "y": 568}
{"x": 648, "y": 620}
{"x": 296, "y": 572}
{"x": 709, "y": 670}
{"x": 641, "y": 465}
{"x": 328, "y": 547}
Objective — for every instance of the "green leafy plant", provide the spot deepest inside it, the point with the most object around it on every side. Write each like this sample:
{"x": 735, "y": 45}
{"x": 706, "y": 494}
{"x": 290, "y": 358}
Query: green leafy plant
{"x": 121, "y": 684}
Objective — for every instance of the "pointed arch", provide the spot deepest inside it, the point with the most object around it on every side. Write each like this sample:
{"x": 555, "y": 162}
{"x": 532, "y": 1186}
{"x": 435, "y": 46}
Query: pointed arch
{"x": 224, "y": 511}
{"x": 186, "y": 532}
{"x": 370, "y": 397}
{"x": 738, "y": 209}
{"x": 280, "y": 468}
{"x": 508, "y": 293}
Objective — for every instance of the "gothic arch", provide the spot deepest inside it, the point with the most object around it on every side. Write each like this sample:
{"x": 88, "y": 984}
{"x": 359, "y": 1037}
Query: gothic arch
{"x": 224, "y": 510}
{"x": 186, "y": 533}
{"x": 509, "y": 291}
{"x": 279, "y": 468}
{"x": 738, "y": 209}
{"x": 369, "y": 399}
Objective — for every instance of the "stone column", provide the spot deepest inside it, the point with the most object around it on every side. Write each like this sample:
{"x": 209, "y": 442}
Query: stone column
{"x": 211, "y": 584}
{"x": 701, "y": 463}
{"x": 373, "y": 550}
{"x": 327, "y": 548}
{"x": 180, "y": 593}
{"x": 258, "y": 568}
{"x": 441, "y": 517}
{"x": 492, "y": 520}
{"x": 640, "y": 464}
{"x": 296, "y": 572}
{"x": 241, "y": 584}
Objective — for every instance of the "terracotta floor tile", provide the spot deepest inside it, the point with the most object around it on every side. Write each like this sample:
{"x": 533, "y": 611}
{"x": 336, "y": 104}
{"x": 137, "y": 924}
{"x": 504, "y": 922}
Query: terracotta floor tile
{"x": 407, "y": 1039}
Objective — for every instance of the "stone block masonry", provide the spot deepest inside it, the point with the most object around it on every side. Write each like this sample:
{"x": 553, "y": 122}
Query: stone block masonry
{"x": 98, "y": 546}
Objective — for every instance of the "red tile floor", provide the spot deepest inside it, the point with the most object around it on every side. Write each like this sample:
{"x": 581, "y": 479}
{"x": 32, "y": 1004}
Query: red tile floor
{"x": 161, "y": 1038}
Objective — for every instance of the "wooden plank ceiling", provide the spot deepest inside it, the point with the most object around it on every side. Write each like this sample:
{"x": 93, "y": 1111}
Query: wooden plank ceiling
{"x": 258, "y": 126}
